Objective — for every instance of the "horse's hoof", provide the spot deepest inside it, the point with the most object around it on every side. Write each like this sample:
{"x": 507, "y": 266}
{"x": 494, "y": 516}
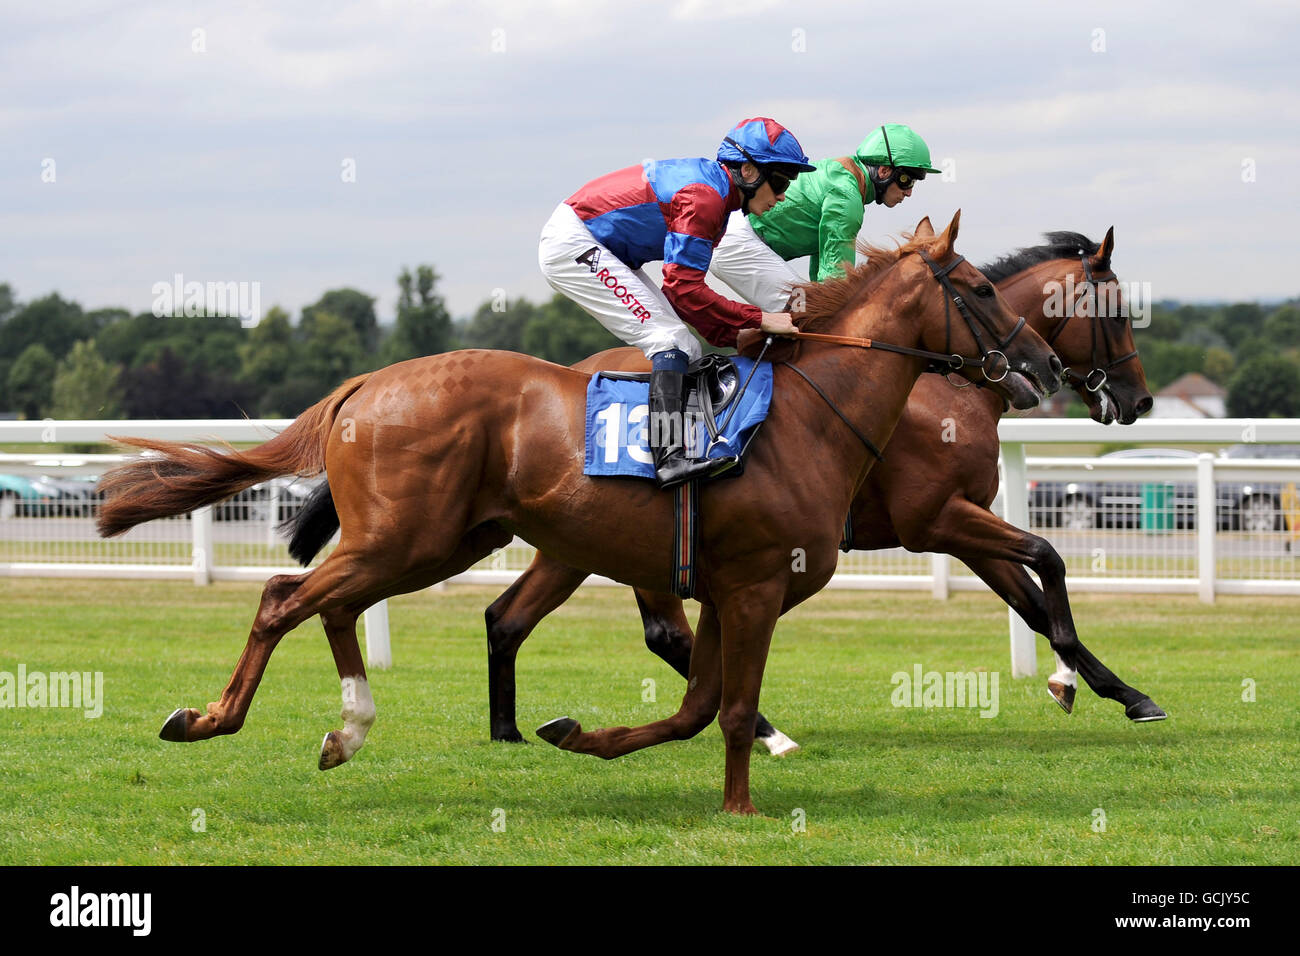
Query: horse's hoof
{"x": 1144, "y": 711}
{"x": 559, "y": 730}
{"x": 1063, "y": 694}
{"x": 511, "y": 736}
{"x": 331, "y": 752}
{"x": 175, "y": 727}
{"x": 778, "y": 744}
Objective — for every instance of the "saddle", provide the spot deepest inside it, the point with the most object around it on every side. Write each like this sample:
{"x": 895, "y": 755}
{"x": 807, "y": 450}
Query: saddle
{"x": 712, "y": 383}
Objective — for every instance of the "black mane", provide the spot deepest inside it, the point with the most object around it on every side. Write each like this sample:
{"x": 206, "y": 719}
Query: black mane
{"x": 1059, "y": 245}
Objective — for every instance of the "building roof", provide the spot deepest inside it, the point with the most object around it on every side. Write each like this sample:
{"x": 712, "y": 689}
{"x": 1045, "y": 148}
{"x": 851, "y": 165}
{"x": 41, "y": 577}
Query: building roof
{"x": 1193, "y": 385}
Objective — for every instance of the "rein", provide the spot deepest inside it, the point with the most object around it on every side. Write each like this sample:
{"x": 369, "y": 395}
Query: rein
{"x": 939, "y": 361}
{"x": 947, "y": 361}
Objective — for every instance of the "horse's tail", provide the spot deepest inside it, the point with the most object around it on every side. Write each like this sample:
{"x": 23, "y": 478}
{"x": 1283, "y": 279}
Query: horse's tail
{"x": 313, "y": 525}
{"x": 178, "y": 477}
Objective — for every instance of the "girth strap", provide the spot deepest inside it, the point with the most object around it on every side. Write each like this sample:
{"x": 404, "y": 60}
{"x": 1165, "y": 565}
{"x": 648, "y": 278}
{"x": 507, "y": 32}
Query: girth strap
{"x": 686, "y": 521}
{"x": 827, "y": 399}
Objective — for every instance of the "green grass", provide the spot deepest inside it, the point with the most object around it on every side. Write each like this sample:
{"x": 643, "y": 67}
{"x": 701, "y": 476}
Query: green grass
{"x": 1215, "y": 784}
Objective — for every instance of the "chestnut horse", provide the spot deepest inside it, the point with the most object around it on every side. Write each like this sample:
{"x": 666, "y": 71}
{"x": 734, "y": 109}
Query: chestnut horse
{"x": 434, "y": 462}
{"x": 947, "y": 435}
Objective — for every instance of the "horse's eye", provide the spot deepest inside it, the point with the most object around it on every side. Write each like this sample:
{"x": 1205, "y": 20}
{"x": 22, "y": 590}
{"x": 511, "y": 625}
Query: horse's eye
{"x": 985, "y": 291}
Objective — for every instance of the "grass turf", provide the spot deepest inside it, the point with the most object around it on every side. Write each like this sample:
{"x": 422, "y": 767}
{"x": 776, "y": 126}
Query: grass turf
{"x": 874, "y": 783}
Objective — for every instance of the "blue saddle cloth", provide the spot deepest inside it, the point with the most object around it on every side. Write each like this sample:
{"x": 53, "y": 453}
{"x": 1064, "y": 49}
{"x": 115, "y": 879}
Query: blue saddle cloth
{"x": 618, "y": 415}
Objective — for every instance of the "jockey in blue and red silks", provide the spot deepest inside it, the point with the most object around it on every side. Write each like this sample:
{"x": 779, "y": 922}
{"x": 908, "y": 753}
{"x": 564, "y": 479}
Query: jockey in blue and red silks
{"x": 674, "y": 210}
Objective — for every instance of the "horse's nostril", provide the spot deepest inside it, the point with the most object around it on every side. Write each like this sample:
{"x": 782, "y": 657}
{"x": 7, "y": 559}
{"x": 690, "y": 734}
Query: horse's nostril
{"x": 1055, "y": 365}
{"x": 1144, "y": 405}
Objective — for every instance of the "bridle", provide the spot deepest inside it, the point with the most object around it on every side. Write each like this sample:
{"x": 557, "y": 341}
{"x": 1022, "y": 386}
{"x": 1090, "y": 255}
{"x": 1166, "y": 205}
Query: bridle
{"x": 1095, "y": 380}
{"x": 944, "y": 362}
{"x": 947, "y": 361}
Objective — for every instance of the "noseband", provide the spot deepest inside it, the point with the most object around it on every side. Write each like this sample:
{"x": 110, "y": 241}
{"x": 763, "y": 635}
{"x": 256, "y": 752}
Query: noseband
{"x": 954, "y": 361}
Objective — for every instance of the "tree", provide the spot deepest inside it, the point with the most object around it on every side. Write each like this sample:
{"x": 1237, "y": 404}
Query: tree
{"x": 1204, "y": 337}
{"x": 123, "y": 341}
{"x": 563, "y": 332}
{"x": 171, "y": 387}
{"x": 423, "y": 324}
{"x": 499, "y": 328}
{"x": 355, "y": 308}
{"x": 7, "y": 301}
{"x": 267, "y": 359}
{"x": 50, "y": 321}
{"x": 1265, "y": 387}
{"x": 1219, "y": 365}
{"x": 31, "y": 379}
{"x": 1238, "y": 322}
{"x": 331, "y": 353}
{"x": 1283, "y": 326}
{"x": 1165, "y": 361}
{"x": 86, "y": 386}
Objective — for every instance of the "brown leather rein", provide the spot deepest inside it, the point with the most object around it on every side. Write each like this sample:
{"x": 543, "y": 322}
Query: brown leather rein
{"x": 939, "y": 362}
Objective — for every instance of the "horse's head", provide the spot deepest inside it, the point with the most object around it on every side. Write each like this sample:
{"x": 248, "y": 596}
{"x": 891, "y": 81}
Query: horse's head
{"x": 1098, "y": 345}
{"x": 963, "y": 315}
{"x": 1074, "y": 300}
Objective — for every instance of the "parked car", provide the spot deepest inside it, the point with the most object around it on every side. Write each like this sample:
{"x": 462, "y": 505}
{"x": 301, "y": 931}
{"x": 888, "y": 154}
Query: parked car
{"x": 1257, "y": 506}
{"x": 254, "y": 504}
{"x": 21, "y": 496}
{"x": 1239, "y": 506}
{"x": 78, "y": 497}
{"x": 1082, "y": 505}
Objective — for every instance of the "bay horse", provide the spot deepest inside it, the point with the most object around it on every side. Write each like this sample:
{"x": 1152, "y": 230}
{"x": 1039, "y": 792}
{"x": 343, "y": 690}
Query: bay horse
{"x": 948, "y": 436}
{"x": 435, "y": 462}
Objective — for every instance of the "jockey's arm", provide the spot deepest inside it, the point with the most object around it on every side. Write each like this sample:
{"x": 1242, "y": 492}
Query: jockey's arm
{"x": 837, "y": 233}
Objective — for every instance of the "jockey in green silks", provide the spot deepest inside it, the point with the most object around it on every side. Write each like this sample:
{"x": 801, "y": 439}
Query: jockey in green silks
{"x": 820, "y": 217}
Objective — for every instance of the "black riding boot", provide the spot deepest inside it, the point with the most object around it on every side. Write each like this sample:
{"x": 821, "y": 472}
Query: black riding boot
{"x": 667, "y": 434}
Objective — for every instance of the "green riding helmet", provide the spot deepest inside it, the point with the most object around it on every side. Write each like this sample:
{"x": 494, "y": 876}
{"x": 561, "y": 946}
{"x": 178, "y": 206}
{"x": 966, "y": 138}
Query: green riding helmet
{"x": 895, "y": 145}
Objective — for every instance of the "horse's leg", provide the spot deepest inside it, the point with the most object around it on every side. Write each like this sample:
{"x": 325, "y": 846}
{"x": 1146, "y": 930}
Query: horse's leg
{"x": 698, "y": 708}
{"x": 280, "y": 611}
{"x": 351, "y": 579}
{"x": 748, "y": 618}
{"x": 358, "y": 713}
{"x": 999, "y": 553}
{"x": 1011, "y": 582}
{"x": 668, "y": 635}
{"x": 1014, "y": 585}
{"x": 510, "y": 619}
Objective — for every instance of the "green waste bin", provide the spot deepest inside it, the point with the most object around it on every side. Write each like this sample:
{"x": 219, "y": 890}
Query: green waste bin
{"x": 1157, "y": 507}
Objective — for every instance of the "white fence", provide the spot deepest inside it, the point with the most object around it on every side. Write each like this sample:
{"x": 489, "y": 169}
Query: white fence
{"x": 1157, "y": 526}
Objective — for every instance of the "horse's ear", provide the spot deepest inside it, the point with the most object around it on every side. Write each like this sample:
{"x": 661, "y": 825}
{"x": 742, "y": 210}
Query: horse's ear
{"x": 1107, "y": 247}
{"x": 950, "y": 234}
{"x": 924, "y": 230}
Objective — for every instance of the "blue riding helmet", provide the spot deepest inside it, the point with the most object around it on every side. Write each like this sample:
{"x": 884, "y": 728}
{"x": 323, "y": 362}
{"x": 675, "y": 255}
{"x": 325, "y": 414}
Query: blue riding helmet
{"x": 764, "y": 142}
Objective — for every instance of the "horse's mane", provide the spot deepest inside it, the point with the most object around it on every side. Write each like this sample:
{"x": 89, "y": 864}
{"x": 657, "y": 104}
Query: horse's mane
{"x": 1059, "y": 245}
{"x": 823, "y": 300}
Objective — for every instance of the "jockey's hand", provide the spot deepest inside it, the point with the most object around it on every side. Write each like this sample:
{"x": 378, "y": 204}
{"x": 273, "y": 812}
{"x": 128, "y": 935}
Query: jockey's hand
{"x": 778, "y": 323}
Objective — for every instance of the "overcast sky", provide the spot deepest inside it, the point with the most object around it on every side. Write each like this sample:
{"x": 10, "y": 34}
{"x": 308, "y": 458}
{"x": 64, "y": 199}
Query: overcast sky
{"x": 220, "y": 154}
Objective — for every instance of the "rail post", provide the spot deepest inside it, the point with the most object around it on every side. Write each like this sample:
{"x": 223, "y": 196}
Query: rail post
{"x": 1015, "y": 498}
{"x": 379, "y": 654}
{"x": 1206, "y": 526}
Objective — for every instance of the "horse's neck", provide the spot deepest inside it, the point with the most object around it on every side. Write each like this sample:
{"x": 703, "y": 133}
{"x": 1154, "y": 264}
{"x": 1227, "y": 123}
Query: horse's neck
{"x": 869, "y": 386}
